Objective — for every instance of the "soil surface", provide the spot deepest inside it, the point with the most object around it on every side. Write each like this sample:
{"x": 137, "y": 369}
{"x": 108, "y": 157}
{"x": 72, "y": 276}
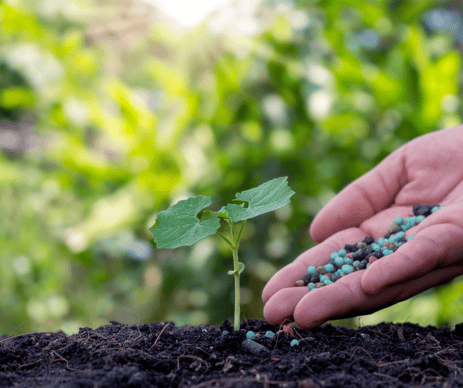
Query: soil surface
{"x": 163, "y": 355}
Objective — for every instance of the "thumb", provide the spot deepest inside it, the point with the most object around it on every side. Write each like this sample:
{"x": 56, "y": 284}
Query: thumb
{"x": 363, "y": 198}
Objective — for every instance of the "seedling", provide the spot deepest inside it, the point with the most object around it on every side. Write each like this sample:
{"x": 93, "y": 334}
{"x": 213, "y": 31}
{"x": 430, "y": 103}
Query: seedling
{"x": 186, "y": 222}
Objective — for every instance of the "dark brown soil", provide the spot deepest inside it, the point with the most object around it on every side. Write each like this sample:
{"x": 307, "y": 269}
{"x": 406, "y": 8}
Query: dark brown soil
{"x": 163, "y": 355}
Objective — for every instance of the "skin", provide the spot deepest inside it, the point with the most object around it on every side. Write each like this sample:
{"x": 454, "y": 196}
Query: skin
{"x": 426, "y": 171}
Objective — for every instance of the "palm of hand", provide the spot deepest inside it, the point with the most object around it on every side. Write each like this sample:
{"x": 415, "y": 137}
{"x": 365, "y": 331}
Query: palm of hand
{"x": 427, "y": 170}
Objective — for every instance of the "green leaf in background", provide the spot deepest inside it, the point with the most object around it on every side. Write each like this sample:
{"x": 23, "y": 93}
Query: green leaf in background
{"x": 16, "y": 97}
{"x": 262, "y": 199}
{"x": 178, "y": 225}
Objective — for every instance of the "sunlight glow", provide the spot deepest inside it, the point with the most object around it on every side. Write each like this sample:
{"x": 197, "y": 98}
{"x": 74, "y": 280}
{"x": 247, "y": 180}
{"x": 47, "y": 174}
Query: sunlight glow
{"x": 187, "y": 12}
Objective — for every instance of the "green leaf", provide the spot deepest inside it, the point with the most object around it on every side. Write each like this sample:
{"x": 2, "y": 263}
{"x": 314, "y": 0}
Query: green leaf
{"x": 239, "y": 201}
{"x": 178, "y": 226}
{"x": 262, "y": 199}
{"x": 223, "y": 212}
{"x": 207, "y": 214}
{"x": 240, "y": 269}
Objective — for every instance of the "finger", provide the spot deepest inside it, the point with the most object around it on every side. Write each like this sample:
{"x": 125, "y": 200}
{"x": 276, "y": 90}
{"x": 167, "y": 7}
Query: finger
{"x": 345, "y": 298}
{"x": 363, "y": 198}
{"x": 436, "y": 246}
{"x": 450, "y": 214}
{"x": 337, "y": 299}
{"x": 316, "y": 256}
{"x": 405, "y": 291}
{"x": 281, "y": 306}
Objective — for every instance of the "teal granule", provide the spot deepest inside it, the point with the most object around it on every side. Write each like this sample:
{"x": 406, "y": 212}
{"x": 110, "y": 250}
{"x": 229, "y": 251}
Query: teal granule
{"x": 329, "y": 267}
{"x": 250, "y": 335}
{"x": 324, "y": 279}
{"x": 312, "y": 270}
{"x": 294, "y": 342}
{"x": 399, "y": 220}
{"x": 347, "y": 268}
{"x": 339, "y": 260}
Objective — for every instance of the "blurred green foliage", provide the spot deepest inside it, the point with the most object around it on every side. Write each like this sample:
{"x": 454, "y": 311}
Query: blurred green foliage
{"x": 94, "y": 142}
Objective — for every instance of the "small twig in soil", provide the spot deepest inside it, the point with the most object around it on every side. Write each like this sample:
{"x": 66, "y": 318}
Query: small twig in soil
{"x": 197, "y": 348}
{"x": 128, "y": 339}
{"x": 191, "y": 356}
{"x": 438, "y": 376}
{"x": 31, "y": 363}
{"x": 157, "y": 339}
{"x": 382, "y": 374}
{"x": 61, "y": 358}
{"x": 115, "y": 335}
{"x": 400, "y": 333}
{"x": 203, "y": 351}
{"x": 355, "y": 348}
{"x": 394, "y": 362}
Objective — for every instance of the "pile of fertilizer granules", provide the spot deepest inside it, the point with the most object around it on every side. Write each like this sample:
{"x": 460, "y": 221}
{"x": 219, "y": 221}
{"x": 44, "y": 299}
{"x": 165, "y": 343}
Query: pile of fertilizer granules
{"x": 359, "y": 256}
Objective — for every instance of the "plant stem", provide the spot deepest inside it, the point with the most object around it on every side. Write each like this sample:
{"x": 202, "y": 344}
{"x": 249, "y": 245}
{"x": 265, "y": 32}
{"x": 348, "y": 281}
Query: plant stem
{"x": 236, "y": 275}
{"x": 239, "y": 234}
{"x": 237, "y": 289}
{"x": 232, "y": 229}
{"x": 234, "y": 247}
{"x": 226, "y": 239}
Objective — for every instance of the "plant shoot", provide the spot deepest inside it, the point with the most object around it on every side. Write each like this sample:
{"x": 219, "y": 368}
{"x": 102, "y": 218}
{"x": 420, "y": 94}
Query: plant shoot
{"x": 180, "y": 225}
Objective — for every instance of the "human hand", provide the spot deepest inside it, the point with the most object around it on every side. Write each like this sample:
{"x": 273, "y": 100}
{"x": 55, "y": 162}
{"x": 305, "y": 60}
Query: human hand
{"x": 426, "y": 170}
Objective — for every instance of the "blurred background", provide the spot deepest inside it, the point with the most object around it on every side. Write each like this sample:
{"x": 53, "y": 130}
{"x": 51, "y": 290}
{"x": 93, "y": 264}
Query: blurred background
{"x": 113, "y": 110}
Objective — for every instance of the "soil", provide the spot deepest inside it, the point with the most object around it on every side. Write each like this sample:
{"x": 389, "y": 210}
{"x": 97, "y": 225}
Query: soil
{"x": 163, "y": 355}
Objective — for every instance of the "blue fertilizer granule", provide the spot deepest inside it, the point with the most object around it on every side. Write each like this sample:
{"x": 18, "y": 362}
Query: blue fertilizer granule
{"x": 312, "y": 270}
{"x": 250, "y": 335}
{"x": 355, "y": 257}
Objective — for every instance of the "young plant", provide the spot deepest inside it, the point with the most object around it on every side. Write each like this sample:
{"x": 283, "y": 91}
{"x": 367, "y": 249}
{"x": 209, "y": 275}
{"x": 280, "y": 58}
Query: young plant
{"x": 181, "y": 225}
